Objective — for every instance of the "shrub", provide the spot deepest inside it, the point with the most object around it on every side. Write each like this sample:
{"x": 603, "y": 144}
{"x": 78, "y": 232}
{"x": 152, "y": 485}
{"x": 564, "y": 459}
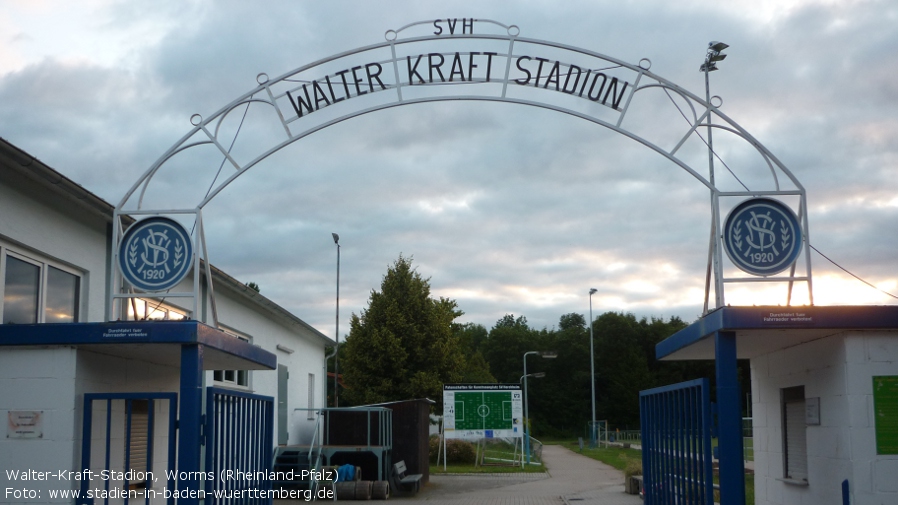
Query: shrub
{"x": 634, "y": 467}
{"x": 457, "y": 451}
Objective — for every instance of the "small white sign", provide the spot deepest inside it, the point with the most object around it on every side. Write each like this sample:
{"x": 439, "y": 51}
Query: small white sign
{"x": 812, "y": 411}
{"x": 25, "y": 424}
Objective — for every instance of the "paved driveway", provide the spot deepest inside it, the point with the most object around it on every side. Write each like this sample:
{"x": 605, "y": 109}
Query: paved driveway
{"x": 572, "y": 479}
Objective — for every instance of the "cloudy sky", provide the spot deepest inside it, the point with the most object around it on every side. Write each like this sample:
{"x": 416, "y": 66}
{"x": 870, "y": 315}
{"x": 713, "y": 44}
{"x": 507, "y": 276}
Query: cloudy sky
{"x": 507, "y": 208}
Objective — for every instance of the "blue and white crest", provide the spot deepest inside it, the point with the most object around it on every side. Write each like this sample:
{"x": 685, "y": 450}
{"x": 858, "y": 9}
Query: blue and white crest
{"x": 762, "y": 236}
{"x": 155, "y": 254}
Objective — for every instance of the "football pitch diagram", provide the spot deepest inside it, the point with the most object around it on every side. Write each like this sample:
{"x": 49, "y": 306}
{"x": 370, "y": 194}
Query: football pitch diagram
{"x": 482, "y": 410}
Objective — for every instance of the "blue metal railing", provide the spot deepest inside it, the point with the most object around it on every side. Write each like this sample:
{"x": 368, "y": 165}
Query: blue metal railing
{"x": 676, "y": 444}
{"x": 239, "y": 435}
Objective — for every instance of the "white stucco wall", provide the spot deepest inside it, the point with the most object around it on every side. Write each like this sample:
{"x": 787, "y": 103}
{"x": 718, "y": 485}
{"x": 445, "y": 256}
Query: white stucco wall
{"x": 267, "y": 332}
{"x": 67, "y": 234}
{"x": 40, "y": 380}
{"x": 838, "y": 370}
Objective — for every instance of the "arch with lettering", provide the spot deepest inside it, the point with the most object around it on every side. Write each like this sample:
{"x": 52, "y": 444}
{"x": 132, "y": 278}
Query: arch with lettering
{"x": 469, "y": 60}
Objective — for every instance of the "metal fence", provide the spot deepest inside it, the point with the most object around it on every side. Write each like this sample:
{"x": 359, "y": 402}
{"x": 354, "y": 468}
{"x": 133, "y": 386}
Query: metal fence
{"x": 239, "y": 438}
{"x": 629, "y": 436}
{"x": 676, "y": 444}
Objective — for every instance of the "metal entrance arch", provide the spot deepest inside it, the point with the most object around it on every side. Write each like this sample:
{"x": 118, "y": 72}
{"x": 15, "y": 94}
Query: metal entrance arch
{"x": 458, "y": 59}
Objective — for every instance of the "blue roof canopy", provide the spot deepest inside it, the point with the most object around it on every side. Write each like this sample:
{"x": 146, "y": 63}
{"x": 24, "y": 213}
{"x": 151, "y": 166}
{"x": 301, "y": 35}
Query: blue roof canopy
{"x": 763, "y": 329}
{"x": 151, "y": 341}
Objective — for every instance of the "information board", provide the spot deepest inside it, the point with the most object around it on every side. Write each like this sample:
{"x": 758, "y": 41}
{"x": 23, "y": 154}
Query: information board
{"x": 885, "y": 408}
{"x": 475, "y": 411}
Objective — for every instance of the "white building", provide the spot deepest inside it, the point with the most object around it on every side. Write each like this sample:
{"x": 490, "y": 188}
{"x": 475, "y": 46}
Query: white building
{"x": 824, "y": 384}
{"x": 56, "y": 347}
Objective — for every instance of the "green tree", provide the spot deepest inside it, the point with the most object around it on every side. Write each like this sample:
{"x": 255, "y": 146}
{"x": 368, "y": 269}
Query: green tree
{"x": 504, "y": 349}
{"x": 476, "y": 369}
{"x": 622, "y": 368}
{"x": 561, "y": 399}
{"x": 402, "y": 346}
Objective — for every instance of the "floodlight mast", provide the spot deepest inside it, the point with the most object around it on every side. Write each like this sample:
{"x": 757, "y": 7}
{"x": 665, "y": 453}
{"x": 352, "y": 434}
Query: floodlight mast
{"x": 712, "y": 56}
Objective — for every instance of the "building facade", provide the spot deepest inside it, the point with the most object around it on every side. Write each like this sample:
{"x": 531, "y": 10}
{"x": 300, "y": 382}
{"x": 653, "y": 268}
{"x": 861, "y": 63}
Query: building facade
{"x": 63, "y": 366}
{"x": 824, "y": 388}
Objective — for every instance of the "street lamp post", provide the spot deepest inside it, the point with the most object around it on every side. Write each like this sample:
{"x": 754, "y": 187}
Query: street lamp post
{"x": 537, "y": 375}
{"x": 592, "y": 376}
{"x": 337, "y": 348}
{"x": 544, "y": 354}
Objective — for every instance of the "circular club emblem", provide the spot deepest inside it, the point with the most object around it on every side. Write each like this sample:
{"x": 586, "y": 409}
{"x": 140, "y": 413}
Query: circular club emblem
{"x": 762, "y": 236}
{"x": 155, "y": 254}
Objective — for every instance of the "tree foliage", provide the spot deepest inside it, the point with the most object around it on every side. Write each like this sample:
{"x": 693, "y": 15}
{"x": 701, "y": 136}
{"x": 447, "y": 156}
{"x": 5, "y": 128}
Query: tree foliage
{"x": 406, "y": 345}
{"x": 403, "y": 345}
{"x": 476, "y": 370}
{"x": 624, "y": 350}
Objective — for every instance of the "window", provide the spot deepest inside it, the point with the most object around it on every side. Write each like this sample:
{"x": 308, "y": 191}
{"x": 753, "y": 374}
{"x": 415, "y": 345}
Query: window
{"x": 233, "y": 378}
{"x": 795, "y": 443}
{"x": 140, "y": 309}
{"x": 137, "y": 451}
{"x": 36, "y": 291}
{"x": 311, "y": 397}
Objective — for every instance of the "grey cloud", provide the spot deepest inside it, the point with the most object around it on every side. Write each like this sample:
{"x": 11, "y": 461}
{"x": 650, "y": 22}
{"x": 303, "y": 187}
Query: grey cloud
{"x": 490, "y": 199}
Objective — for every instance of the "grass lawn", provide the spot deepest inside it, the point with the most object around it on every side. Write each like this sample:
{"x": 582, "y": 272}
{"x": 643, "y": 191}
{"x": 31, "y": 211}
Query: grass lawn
{"x": 460, "y": 468}
{"x": 616, "y": 457}
{"x": 498, "y": 455}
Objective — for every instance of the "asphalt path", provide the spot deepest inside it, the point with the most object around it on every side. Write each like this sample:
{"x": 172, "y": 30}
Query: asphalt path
{"x": 571, "y": 479}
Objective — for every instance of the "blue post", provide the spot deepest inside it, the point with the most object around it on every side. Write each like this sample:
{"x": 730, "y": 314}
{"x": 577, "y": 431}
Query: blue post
{"x": 85, "y": 449}
{"x": 846, "y": 497}
{"x": 729, "y": 408}
{"x": 189, "y": 425}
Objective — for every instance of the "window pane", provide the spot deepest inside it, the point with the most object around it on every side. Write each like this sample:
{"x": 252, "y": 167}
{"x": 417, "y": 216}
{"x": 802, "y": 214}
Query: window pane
{"x": 20, "y": 295}
{"x": 62, "y": 297}
{"x": 137, "y": 309}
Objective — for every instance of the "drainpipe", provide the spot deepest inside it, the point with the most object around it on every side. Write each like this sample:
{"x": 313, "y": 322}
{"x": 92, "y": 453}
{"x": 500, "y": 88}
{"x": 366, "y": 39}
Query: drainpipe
{"x": 324, "y": 380}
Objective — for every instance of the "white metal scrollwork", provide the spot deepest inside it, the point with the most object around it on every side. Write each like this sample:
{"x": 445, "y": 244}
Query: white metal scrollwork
{"x": 468, "y": 60}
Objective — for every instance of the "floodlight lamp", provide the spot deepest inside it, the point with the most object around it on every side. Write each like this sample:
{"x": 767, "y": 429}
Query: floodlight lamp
{"x": 336, "y": 238}
{"x": 538, "y": 375}
{"x": 717, "y": 57}
{"x": 708, "y": 67}
{"x": 592, "y": 291}
{"x": 717, "y": 46}
{"x": 548, "y": 354}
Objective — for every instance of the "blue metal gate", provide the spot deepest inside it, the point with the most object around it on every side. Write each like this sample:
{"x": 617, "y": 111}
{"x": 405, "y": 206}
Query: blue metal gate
{"x": 124, "y": 440}
{"x": 239, "y": 443}
{"x": 676, "y": 444}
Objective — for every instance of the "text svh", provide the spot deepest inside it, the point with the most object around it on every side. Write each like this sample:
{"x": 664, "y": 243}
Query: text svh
{"x": 437, "y": 68}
